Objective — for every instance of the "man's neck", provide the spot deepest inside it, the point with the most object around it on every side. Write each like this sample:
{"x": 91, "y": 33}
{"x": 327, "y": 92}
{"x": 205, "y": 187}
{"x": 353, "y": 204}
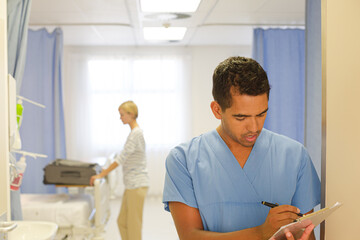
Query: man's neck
{"x": 240, "y": 152}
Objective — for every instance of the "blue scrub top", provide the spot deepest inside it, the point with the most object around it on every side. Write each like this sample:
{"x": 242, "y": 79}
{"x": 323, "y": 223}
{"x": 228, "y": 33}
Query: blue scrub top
{"x": 204, "y": 174}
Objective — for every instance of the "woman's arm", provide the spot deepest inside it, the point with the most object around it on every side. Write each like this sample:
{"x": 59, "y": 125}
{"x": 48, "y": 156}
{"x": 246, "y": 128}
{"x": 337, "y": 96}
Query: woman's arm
{"x": 103, "y": 173}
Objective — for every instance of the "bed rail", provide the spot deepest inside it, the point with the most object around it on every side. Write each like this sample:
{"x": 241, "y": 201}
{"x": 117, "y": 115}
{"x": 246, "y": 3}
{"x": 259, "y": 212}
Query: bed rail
{"x": 102, "y": 207}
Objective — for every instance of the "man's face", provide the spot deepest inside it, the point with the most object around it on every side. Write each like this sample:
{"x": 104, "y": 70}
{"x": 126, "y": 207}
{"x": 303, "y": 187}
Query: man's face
{"x": 243, "y": 121}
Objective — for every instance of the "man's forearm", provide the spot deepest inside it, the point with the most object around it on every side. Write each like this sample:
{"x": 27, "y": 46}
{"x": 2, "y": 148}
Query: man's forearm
{"x": 246, "y": 234}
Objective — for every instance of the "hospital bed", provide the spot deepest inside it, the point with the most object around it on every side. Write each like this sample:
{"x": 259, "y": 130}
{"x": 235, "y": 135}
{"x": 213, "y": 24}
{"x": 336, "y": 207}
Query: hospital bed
{"x": 81, "y": 216}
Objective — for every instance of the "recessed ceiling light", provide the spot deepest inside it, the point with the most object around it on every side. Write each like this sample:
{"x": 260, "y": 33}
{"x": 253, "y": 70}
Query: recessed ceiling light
{"x": 166, "y": 16}
{"x": 162, "y": 33}
{"x": 169, "y": 5}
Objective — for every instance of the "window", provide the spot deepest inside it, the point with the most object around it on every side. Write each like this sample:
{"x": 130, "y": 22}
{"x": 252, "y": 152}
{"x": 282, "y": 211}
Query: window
{"x": 155, "y": 83}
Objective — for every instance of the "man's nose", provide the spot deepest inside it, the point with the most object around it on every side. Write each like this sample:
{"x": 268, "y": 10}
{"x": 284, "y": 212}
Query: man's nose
{"x": 253, "y": 125}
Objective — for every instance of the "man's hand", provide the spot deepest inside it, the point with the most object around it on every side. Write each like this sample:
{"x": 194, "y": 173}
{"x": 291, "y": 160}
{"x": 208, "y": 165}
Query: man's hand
{"x": 277, "y": 217}
{"x": 306, "y": 235}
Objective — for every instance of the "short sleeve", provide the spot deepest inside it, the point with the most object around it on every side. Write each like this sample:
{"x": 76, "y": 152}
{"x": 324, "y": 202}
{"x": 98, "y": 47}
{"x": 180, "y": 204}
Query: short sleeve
{"x": 308, "y": 188}
{"x": 178, "y": 181}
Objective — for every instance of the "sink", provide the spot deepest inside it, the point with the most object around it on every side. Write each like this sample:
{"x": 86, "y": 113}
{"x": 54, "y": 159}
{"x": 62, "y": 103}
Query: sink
{"x": 33, "y": 230}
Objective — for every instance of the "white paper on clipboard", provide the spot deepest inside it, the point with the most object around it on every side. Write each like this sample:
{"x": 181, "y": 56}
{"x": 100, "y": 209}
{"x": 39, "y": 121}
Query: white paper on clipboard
{"x": 297, "y": 228}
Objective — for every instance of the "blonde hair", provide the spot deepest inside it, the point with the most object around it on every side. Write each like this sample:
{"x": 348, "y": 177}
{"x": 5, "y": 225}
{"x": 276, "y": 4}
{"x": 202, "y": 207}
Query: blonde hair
{"x": 130, "y": 107}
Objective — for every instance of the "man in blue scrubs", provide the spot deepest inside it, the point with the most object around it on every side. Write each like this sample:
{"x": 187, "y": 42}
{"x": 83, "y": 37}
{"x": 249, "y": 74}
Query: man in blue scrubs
{"x": 215, "y": 183}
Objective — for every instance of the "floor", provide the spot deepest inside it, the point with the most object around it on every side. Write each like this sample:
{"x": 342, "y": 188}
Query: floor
{"x": 157, "y": 223}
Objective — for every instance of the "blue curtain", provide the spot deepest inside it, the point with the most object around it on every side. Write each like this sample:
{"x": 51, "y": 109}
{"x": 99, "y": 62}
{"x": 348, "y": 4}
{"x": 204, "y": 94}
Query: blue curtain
{"x": 42, "y": 130}
{"x": 313, "y": 81}
{"x": 18, "y": 12}
{"x": 313, "y": 86}
{"x": 281, "y": 52}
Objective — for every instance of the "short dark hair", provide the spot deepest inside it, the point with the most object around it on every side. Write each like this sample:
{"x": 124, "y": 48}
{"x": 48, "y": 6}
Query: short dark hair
{"x": 244, "y": 74}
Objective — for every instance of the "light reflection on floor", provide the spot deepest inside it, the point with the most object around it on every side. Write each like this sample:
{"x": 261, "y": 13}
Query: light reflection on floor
{"x": 157, "y": 223}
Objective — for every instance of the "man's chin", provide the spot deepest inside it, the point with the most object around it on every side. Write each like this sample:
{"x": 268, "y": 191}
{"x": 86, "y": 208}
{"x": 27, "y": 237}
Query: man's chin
{"x": 247, "y": 144}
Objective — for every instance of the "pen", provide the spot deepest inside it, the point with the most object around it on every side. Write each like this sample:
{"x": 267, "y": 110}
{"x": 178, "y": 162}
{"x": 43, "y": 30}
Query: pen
{"x": 272, "y": 205}
{"x": 269, "y": 204}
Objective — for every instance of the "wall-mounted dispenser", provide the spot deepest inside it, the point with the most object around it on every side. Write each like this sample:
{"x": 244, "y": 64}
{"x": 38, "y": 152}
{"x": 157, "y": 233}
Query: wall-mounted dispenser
{"x": 15, "y": 140}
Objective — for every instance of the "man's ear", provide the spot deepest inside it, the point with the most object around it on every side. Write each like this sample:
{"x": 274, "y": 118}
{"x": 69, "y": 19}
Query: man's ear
{"x": 216, "y": 109}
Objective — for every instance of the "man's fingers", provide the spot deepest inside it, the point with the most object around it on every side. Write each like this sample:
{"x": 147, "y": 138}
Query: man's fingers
{"x": 305, "y": 235}
{"x": 287, "y": 216}
{"x": 289, "y": 236}
{"x": 285, "y": 208}
{"x": 307, "y": 232}
{"x": 309, "y": 228}
{"x": 283, "y": 214}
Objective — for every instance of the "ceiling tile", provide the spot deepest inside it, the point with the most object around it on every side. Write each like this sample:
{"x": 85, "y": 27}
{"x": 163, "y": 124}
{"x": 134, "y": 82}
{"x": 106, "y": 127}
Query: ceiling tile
{"x": 222, "y": 36}
{"x": 223, "y": 22}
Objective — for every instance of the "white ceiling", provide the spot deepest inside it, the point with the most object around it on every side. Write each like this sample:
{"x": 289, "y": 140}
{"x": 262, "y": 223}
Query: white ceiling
{"x": 120, "y": 22}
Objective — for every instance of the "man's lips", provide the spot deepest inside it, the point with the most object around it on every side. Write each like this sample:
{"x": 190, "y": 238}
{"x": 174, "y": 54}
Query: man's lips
{"x": 251, "y": 138}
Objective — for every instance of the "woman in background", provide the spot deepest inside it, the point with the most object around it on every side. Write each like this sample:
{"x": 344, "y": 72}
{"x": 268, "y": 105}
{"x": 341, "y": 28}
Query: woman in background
{"x": 136, "y": 180}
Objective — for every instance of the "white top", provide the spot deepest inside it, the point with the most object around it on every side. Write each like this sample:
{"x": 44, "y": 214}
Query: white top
{"x": 133, "y": 160}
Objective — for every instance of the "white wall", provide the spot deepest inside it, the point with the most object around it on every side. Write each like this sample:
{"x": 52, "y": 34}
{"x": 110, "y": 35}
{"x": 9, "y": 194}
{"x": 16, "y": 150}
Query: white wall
{"x": 341, "y": 82}
{"x": 4, "y": 131}
{"x": 204, "y": 62}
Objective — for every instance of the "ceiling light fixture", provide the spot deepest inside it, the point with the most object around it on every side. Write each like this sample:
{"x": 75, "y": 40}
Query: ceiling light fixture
{"x": 169, "y": 5}
{"x": 165, "y": 16}
{"x": 164, "y": 34}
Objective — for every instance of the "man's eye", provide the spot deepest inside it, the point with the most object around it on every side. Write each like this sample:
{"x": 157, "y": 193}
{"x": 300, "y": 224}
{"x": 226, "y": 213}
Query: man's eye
{"x": 240, "y": 119}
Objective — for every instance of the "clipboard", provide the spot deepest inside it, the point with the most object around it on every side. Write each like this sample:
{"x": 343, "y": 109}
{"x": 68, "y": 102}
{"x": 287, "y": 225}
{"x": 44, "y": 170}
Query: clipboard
{"x": 297, "y": 228}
